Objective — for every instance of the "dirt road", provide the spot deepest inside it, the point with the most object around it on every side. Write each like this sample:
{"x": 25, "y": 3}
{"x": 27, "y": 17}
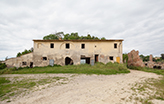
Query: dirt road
{"x": 88, "y": 89}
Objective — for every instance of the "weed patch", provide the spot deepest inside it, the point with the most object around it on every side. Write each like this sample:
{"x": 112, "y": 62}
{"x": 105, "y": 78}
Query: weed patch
{"x": 98, "y": 68}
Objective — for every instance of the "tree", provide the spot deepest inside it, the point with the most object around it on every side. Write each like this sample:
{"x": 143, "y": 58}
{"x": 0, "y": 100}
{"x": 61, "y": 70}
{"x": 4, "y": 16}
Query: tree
{"x": 18, "y": 54}
{"x": 125, "y": 57}
{"x": 162, "y": 56}
{"x": 57, "y": 35}
{"x": 144, "y": 58}
{"x": 103, "y": 38}
{"x": 24, "y": 52}
{"x": 71, "y": 36}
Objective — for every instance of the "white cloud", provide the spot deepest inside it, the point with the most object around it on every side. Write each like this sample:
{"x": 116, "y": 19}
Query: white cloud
{"x": 138, "y": 22}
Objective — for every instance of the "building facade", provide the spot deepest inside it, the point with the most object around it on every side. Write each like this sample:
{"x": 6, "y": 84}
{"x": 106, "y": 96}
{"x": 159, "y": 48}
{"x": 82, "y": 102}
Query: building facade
{"x": 68, "y": 52}
{"x": 22, "y": 61}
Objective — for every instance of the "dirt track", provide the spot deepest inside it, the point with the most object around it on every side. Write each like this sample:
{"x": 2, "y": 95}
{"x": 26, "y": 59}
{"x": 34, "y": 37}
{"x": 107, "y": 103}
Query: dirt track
{"x": 88, "y": 89}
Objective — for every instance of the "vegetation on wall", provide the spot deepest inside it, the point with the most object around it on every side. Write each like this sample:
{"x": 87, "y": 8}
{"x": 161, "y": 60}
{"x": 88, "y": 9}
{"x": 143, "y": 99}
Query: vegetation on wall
{"x": 72, "y": 36}
{"x": 24, "y": 52}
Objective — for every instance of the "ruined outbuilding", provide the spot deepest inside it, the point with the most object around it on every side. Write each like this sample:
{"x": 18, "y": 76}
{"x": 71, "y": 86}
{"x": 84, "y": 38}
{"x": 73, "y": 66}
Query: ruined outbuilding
{"x": 152, "y": 64}
{"x": 70, "y": 52}
{"x": 135, "y": 60}
{"x": 22, "y": 61}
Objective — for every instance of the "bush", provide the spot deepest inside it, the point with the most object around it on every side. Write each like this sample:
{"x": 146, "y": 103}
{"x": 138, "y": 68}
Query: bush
{"x": 2, "y": 66}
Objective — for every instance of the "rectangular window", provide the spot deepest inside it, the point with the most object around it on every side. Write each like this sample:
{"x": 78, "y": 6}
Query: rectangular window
{"x": 111, "y": 57}
{"x": 44, "y": 58}
{"x": 82, "y": 46}
{"x": 52, "y": 45}
{"x": 67, "y": 45}
{"x": 115, "y": 45}
{"x": 24, "y": 63}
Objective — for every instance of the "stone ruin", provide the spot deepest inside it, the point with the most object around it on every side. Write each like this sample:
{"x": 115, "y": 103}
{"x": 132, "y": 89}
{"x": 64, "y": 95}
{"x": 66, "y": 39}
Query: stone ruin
{"x": 152, "y": 64}
{"x": 135, "y": 60}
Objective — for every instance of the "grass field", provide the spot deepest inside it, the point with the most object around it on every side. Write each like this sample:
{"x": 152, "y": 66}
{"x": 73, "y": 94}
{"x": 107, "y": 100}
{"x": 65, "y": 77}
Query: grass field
{"x": 98, "y": 68}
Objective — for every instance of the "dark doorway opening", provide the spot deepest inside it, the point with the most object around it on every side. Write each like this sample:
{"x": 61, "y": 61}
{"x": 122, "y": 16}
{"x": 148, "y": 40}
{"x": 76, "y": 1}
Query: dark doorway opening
{"x": 159, "y": 67}
{"x": 68, "y": 61}
{"x": 96, "y": 58}
{"x": 31, "y": 64}
{"x": 154, "y": 67}
{"x": 87, "y": 60}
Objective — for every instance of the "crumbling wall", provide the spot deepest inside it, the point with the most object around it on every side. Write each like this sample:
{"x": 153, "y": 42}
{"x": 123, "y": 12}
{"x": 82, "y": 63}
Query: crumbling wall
{"x": 134, "y": 59}
{"x": 27, "y": 59}
{"x": 155, "y": 65}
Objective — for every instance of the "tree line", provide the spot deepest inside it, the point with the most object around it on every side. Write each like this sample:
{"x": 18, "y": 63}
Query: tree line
{"x": 24, "y": 52}
{"x": 72, "y": 36}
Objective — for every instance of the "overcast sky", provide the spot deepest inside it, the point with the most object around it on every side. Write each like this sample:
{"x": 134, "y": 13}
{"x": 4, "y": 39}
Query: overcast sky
{"x": 139, "y": 22}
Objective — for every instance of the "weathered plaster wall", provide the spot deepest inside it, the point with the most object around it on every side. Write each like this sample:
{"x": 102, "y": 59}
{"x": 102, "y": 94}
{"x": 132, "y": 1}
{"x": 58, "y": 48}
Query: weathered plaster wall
{"x": 59, "y": 52}
{"x": 18, "y": 61}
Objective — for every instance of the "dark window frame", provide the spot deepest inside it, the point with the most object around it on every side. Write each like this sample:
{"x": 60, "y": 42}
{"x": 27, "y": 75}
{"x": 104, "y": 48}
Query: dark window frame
{"x": 67, "y": 45}
{"x": 52, "y": 45}
{"x": 82, "y": 46}
{"x": 115, "y": 45}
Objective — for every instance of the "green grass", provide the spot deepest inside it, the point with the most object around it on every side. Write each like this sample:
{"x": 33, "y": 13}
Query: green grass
{"x": 146, "y": 69}
{"x": 98, "y": 68}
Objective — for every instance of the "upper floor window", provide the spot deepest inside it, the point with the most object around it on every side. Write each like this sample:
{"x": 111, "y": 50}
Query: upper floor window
{"x": 115, "y": 45}
{"x": 52, "y": 45}
{"x": 82, "y": 46}
{"x": 67, "y": 46}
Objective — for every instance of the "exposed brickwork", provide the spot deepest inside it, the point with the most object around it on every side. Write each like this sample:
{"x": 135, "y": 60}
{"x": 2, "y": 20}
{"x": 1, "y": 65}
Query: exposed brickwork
{"x": 134, "y": 59}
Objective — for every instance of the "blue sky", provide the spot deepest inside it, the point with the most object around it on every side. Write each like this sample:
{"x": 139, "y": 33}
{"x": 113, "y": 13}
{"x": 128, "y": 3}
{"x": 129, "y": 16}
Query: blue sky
{"x": 139, "y": 22}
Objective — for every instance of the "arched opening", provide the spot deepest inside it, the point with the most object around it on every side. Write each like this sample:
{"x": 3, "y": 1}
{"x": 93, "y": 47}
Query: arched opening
{"x": 159, "y": 67}
{"x": 154, "y": 67}
{"x": 68, "y": 61}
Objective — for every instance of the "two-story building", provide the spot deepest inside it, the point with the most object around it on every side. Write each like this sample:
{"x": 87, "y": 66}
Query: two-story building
{"x": 65, "y": 52}
{"x": 69, "y": 52}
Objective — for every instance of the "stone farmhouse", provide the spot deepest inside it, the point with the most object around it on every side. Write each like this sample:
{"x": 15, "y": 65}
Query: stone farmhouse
{"x": 70, "y": 52}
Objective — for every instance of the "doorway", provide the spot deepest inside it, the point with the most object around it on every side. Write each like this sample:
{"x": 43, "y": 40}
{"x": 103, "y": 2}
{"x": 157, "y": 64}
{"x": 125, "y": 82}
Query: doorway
{"x": 31, "y": 64}
{"x": 68, "y": 61}
{"x": 118, "y": 59}
{"x": 96, "y": 58}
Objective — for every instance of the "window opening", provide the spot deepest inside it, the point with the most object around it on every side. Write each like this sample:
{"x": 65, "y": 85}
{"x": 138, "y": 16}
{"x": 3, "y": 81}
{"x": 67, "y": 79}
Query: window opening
{"x": 52, "y": 45}
{"x": 82, "y": 46}
{"x": 115, "y": 45}
{"x": 67, "y": 45}
{"x": 44, "y": 58}
{"x": 24, "y": 63}
{"x": 111, "y": 57}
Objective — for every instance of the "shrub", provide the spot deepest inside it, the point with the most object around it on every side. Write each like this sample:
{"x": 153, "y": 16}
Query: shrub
{"x": 2, "y": 66}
